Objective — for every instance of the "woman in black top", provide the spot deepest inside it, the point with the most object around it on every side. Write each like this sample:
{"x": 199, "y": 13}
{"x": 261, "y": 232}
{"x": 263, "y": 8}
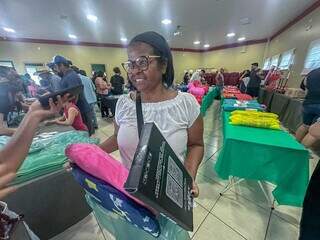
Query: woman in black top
{"x": 117, "y": 82}
{"x": 311, "y": 107}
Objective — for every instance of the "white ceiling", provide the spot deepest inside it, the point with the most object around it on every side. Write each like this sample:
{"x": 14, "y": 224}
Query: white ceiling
{"x": 205, "y": 20}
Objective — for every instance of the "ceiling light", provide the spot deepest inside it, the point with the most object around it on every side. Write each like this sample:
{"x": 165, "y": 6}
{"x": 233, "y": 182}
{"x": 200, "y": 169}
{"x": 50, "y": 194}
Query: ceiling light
{"x": 166, "y": 21}
{"x": 231, "y": 35}
{"x": 206, "y": 45}
{"x": 123, "y": 39}
{"x": 9, "y": 30}
{"x": 72, "y": 36}
{"x": 241, "y": 39}
{"x": 196, "y": 42}
{"x": 92, "y": 18}
{"x": 176, "y": 33}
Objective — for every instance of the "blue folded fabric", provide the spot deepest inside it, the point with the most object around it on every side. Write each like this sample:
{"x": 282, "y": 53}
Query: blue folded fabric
{"x": 115, "y": 201}
{"x": 231, "y": 105}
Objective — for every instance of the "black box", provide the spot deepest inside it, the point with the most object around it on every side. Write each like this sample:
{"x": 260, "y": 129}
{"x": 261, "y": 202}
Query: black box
{"x": 158, "y": 178}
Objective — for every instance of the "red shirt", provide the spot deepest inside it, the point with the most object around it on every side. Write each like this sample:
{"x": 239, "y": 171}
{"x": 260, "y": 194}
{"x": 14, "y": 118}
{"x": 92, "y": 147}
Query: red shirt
{"x": 78, "y": 123}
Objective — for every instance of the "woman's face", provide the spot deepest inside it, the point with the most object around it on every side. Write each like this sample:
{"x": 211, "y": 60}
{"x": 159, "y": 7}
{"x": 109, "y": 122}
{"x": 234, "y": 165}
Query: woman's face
{"x": 144, "y": 80}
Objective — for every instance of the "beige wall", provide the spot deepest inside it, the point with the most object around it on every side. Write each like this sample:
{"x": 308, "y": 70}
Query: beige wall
{"x": 297, "y": 37}
{"x": 83, "y": 57}
{"x": 234, "y": 59}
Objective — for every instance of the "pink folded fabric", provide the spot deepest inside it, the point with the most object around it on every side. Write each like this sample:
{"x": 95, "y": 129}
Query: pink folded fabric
{"x": 95, "y": 161}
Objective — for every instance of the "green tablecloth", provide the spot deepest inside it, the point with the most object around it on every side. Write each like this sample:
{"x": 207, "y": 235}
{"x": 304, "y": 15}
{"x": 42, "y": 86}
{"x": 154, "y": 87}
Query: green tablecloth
{"x": 268, "y": 155}
{"x": 208, "y": 100}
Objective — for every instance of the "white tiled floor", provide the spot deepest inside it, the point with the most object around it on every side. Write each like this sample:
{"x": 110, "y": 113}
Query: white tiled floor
{"x": 241, "y": 213}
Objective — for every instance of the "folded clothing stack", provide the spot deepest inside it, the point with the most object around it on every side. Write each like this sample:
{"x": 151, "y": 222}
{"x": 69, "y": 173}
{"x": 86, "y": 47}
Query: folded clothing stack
{"x": 46, "y": 154}
{"x": 255, "y": 119}
{"x": 233, "y": 104}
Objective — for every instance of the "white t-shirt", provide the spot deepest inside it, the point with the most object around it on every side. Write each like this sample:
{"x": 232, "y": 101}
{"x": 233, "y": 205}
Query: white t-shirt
{"x": 173, "y": 117}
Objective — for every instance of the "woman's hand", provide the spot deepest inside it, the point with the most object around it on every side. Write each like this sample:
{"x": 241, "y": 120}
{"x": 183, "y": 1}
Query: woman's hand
{"x": 37, "y": 110}
{"x": 195, "y": 190}
{"x": 5, "y": 178}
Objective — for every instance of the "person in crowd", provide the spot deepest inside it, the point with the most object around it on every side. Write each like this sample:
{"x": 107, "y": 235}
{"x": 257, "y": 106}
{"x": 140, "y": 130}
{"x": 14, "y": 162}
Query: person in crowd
{"x": 102, "y": 86}
{"x": 117, "y": 82}
{"x": 253, "y": 86}
{"x": 10, "y": 89}
{"x": 33, "y": 88}
{"x": 244, "y": 80}
{"x": 202, "y": 74}
{"x": 16, "y": 150}
{"x": 220, "y": 79}
{"x": 311, "y": 107}
{"x": 177, "y": 114}
{"x": 51, "y": 80}
{"x": 195, "y": 76}
{"x": 103, "y": 90}
{"x": 89, "y": 93}
{"x": 26, "y": 81}
{"x": 71, "y": 117}
{"x": 186, "y": 78}
{"x": 309, "y": 224}
{"x": 70, "y": 78}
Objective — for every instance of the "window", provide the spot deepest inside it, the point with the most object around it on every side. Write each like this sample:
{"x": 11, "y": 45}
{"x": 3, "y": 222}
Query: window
{"x": 286, "y": 59}
{"x": 275, "y": 60}
{"x": 266, "y": 65}
{"x": 32, "y": 68}
{"x": 7, "y": 64}
{"x": 313, "y": 57}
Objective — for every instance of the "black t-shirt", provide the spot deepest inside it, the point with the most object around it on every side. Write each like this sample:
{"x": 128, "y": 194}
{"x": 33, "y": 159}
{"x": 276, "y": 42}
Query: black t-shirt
{"x": 72, "y": 79}
{"x": 117, "y": 83}
{"x": 7, "y": 101}
{"x": 255, "y": 79}
{"x": 313, "y": 87}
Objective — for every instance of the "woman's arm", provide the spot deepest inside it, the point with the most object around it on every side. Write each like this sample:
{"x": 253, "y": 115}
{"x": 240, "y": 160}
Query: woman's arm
{"x": 3, "y": 129}
{"x": 314, "y": 130}
{"x": 15, "y": 151}
{"x": 195, "y": 147}
{"x": 111, "y": 144}
{"x": 72, "y": 113}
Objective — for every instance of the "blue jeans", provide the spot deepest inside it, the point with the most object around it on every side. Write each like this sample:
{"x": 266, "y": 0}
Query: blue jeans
{"x": 310, "y": 113}
{"x": 94, "y": 117}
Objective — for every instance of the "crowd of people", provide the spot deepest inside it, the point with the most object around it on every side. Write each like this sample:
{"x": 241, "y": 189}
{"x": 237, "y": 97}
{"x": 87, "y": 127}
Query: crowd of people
{"x": 19, "y": 91}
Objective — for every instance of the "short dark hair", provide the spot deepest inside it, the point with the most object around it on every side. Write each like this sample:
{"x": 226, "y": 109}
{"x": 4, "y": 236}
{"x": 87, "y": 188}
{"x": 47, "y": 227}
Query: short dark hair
{"x": 82, "y": 72}
{"x": 100, "y": 74}
{"x": 116, "y": 70}
{"x": 66, "y": 64}
{"x": 74, "y": 68}
{"x": 255, "y": 64}
{"x": 202, "y": 70}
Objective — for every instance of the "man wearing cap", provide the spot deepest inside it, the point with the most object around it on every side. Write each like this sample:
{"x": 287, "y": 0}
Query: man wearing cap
{"x": 70, "y": 78}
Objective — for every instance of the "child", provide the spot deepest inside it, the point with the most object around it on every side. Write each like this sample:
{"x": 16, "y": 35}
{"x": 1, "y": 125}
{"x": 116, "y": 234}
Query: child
{"x": 71, "y": 117}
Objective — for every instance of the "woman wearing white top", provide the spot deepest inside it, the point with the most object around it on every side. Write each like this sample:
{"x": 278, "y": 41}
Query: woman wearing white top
{"x": 177, "y": 115}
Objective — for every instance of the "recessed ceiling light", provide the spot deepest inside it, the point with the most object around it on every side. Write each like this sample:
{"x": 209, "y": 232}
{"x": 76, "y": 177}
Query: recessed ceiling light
{"x": 196, "y": 42}
{"x": 241, "y": 39}
{"x": 72, "y": 36}
{"x": 166, "y": 21}
{"x": 206, "y": 45}
{"x": 92, "y": 18}
{"x": 11, "y": 30}
{"x": 123, "y": 39}
{"x": 231, "y": 35}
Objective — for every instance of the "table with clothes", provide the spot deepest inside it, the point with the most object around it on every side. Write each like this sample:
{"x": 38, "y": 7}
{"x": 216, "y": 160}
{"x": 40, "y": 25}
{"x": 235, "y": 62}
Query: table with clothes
{"x": 275, "y": 156}
{"x": 208, "y": 99}
{"x": 47, "y": 195}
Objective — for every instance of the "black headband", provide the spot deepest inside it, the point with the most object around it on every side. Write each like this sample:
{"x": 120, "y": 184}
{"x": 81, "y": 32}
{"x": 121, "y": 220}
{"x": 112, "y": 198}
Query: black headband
{"x": 159, "y": 43}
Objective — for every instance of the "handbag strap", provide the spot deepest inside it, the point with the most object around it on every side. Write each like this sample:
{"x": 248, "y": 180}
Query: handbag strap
{"x": 140, "y": 121}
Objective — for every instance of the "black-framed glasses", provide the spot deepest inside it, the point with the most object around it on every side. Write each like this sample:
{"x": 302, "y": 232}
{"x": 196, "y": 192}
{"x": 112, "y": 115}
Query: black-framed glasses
{"x": 142, "y": 63}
